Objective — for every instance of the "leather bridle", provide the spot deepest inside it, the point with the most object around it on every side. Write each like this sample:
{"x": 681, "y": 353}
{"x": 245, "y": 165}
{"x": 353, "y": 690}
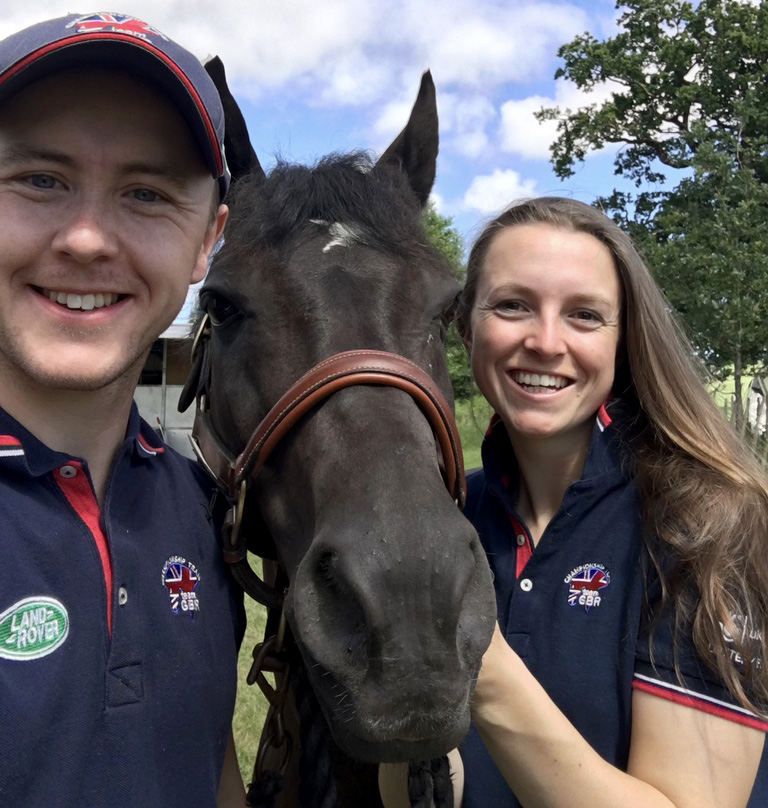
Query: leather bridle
{"x": 234, "y": 474}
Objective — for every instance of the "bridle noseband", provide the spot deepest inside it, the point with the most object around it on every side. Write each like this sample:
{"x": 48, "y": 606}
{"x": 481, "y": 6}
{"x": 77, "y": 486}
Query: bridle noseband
{"x": 234, "y": 474}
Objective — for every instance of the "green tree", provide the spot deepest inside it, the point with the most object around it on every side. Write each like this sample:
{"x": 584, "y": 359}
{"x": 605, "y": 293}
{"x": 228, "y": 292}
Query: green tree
{"x": 444, "y": 236}
{"x": 691, "y": 95}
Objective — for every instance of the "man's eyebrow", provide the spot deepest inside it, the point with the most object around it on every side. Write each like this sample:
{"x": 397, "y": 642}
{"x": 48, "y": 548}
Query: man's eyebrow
{"x": 20, "y": 153}
{"x": 178, "y": 178}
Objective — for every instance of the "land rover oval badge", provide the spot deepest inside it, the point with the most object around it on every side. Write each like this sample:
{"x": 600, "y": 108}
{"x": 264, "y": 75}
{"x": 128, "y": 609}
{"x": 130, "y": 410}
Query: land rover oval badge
{"x": 33, "y": 628}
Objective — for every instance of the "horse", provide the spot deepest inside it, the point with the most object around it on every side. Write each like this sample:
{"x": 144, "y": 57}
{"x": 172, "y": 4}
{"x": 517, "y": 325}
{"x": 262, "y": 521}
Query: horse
{"x": 388, "y": 602}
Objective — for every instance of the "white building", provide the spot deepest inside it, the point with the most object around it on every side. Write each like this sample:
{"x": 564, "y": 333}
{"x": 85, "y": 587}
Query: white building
{"x": 162, "y": 379}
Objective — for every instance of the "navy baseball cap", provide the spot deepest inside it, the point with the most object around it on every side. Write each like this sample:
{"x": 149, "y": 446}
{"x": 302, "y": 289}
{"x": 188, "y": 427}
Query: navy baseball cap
{"x": 82, "y": 40}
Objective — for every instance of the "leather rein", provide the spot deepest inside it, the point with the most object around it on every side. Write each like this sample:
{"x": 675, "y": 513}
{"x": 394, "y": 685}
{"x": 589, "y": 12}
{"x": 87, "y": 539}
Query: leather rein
{"x": 234, "y": 474}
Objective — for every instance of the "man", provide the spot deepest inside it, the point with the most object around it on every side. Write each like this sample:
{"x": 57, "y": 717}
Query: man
{"x": 118, "y": 627}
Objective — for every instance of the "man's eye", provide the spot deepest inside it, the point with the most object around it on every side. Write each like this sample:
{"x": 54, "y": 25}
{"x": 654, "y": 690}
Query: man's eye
{"x": 42, "y": 181}
{"x": 146, "y": 195}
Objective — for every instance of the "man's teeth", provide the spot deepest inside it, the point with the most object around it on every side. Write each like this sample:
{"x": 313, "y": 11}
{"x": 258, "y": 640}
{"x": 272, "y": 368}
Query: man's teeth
{"x": 539, "y": 380}
{"x": 84, "y": 302}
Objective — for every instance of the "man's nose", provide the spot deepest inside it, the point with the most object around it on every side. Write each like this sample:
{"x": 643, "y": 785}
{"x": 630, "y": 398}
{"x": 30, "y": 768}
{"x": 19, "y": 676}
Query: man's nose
{"x": 88, "y": 233}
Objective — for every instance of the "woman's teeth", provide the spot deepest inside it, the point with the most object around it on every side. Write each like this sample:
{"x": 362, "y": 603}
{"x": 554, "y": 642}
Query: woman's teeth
{"x": 84, "y": 302}
{"x": 542, "y": 380}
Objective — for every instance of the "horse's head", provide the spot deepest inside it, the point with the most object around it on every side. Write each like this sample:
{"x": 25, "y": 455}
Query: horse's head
{"x": 390, "y": 599}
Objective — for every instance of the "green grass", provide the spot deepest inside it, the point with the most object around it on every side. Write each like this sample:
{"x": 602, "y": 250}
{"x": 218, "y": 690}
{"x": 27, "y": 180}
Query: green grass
{"x": 251, "y": 707}
{"x": 472, "y": 418}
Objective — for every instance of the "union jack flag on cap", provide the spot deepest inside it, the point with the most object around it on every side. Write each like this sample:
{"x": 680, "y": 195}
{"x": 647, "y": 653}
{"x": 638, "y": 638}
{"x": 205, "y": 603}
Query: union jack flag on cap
{"x": 106, "y": 38}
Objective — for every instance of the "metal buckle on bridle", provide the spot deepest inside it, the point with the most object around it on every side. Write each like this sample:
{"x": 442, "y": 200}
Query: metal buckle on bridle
{"x": 233, "y": 545}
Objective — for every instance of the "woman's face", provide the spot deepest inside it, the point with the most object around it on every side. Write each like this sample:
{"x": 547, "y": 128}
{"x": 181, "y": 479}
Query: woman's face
{"x": 545, "y": 327}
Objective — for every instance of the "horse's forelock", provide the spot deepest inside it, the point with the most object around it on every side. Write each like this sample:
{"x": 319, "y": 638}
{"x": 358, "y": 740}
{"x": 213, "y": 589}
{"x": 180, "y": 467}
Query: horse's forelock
{"x": 340, "y": 189}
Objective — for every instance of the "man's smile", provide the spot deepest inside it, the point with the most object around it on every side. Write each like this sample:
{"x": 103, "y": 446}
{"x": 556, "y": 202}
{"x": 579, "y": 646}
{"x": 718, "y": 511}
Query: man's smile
{"x": 83, "y": 301}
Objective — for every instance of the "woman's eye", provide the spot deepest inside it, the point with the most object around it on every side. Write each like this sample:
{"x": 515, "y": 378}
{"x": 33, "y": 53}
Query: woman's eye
{"x": 587, "y": 316}
{"x": 509, "y": 306}
{"x": 219, "y": 309}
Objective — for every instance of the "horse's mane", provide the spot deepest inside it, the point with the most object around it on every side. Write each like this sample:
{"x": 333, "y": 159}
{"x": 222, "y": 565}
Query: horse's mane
{"x": 340, "y": 188}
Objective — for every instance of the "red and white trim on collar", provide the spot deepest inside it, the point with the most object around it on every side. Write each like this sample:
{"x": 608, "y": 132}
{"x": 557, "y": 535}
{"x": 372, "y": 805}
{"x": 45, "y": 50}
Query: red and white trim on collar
{"x": 10, "y": 446}
{"x": 603, "y": 419}
{"x": 707, "y": 704}
{"x": 146, "y": 449}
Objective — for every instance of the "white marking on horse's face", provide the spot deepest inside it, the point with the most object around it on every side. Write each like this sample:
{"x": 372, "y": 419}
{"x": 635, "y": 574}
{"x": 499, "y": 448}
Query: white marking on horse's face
{"x": 342, "y": 235}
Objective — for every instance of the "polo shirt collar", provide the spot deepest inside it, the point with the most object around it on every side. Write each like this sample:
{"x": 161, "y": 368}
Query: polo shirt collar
{"x": 603, "y": 455}
{"x": 19, "y": 448}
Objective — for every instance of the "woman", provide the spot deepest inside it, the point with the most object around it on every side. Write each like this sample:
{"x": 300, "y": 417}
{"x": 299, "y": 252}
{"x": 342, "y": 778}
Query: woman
{"x": 624, "y": 524}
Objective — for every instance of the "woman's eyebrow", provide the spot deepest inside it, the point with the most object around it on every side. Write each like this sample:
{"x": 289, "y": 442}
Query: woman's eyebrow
{"x": 580, "y": 298}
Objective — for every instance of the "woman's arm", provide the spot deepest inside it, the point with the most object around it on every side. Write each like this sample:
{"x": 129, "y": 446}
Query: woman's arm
{"x": 679, "y": 757}
{"x": 231, "y": 791}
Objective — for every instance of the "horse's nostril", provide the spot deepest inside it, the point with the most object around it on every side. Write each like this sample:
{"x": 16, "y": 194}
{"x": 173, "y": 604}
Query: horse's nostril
{"x": 326, "y": 564}
{"x": 339, "y": 641}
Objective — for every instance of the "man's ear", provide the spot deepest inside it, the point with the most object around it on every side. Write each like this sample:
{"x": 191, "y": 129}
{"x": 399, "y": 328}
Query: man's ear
{"x": 211, "y": 239}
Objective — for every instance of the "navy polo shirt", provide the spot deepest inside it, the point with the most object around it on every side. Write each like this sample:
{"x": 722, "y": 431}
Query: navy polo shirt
{"x": 119, "y": 629}
{"x": 572, "y": 607}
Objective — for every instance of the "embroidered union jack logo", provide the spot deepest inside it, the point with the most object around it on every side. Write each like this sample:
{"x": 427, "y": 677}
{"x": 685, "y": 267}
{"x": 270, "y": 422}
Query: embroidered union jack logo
{"x": 119, "y": 23}
{"x": 585, "y": 584}
{"x": 181, "y": 578}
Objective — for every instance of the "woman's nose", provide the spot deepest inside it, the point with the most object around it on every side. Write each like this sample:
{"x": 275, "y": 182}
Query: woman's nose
{"x": 545, "y": 336}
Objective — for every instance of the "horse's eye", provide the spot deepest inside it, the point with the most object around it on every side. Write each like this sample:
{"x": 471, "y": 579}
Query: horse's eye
{"x": 219, "y": 309}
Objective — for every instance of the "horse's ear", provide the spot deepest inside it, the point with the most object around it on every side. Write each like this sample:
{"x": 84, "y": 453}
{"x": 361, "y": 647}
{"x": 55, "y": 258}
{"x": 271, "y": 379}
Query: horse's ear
{"x": 414, "y": 150}
{"x": 241, "y": 158}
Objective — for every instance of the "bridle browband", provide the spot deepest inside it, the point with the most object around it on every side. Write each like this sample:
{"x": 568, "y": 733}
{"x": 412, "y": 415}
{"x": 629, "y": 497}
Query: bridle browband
{"x": 234, "y": 474}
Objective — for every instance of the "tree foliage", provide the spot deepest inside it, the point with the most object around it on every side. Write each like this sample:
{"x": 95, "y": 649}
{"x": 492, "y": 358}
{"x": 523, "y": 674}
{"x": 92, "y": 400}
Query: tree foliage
{"x": 691, "y": 95}
{"x": 444, "y": 236}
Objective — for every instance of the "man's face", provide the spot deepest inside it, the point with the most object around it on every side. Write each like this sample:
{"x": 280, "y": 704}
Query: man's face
{"x": 104, "y": 222}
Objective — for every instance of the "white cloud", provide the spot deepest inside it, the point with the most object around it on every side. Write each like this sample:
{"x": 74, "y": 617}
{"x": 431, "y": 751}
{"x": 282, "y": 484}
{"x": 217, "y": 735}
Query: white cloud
{"x": 492, "y": 192}
{"x": 481, "y": 44}
{"x": 520, "y": 132}
{"x": 370, "y": 55}
{"x": 464, "y": 120}
{"x": 347, "y": 52}
{"x": 437, "y": 201}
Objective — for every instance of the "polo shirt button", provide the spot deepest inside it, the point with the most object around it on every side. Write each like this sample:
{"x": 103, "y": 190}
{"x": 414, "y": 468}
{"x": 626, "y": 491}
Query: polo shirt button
{"x": 520, "y": 539}
{"x": 526, "y": 584}
{"x": 67, "y": 471}
{"x": 122, "y": 596}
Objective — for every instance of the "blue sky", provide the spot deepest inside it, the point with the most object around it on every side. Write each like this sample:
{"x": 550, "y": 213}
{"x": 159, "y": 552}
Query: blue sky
{"x": 342, "y": 74}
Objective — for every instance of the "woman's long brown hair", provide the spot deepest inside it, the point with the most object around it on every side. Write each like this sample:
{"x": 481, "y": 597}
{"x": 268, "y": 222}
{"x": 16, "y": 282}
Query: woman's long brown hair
{"x": 704, "y": 495}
